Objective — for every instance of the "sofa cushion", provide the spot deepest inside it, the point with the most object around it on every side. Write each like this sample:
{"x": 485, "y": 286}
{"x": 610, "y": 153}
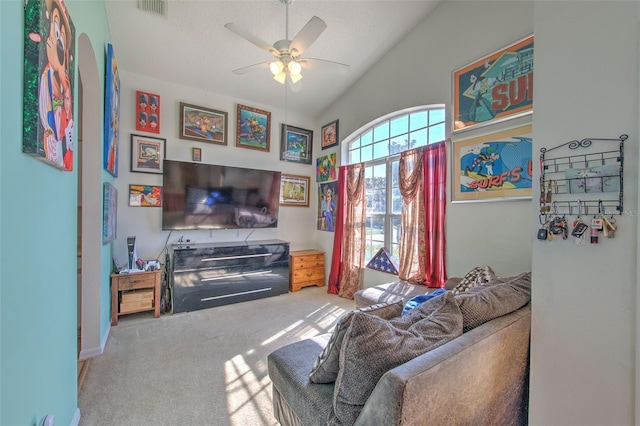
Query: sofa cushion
{"x": 288, "y": 366}
{"x": 325, "y": 368}
{"x": 373, "y": 345}
{"x": 475, "y": 277}
{"x": 500, "y": 297}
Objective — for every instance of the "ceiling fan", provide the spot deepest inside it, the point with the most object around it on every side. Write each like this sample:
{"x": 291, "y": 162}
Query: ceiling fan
{"x": 287, "y": 52}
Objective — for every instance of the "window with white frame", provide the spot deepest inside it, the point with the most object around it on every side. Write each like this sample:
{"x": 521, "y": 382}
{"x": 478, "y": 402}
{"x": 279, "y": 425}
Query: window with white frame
{"x": 379, "y": 145}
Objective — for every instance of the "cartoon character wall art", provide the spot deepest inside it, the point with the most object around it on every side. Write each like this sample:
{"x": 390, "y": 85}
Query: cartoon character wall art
{"x": 326, "y": 168}
{"x": 327, "y": 206}
{"x": 203, "y": 124}
{"x": 112, "y": 114}
{"x": 147, "y": 112}
{"x": 253, "y": 128}
{"x": 494, "y": 166}
{"x": 49, "y": 61}
{"x": 495, "y": 87}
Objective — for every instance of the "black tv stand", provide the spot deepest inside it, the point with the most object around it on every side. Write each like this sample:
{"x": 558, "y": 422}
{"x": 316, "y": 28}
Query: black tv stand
{"x": 216, "y": 274}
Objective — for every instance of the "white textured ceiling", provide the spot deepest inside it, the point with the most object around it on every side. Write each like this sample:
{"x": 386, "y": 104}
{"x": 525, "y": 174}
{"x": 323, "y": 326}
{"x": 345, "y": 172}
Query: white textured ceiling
{"x": 191, "y": 46}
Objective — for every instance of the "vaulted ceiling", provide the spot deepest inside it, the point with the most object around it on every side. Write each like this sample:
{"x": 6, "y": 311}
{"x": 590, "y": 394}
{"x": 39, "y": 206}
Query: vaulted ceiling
{"x": 190, "y": 45}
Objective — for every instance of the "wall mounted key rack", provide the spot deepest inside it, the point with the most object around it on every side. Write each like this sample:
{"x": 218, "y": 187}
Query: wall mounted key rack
{"x": 587, "y": 172}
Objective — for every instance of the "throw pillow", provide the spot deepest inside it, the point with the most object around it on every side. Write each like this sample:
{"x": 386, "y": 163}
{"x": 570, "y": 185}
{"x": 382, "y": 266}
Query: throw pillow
{"x": 492, "y": 300}
{"x": 325, "y": 368}
{"x": 475, "y": 277}
{"x": 420, "y": 299}
{"x": 372, "y": 346}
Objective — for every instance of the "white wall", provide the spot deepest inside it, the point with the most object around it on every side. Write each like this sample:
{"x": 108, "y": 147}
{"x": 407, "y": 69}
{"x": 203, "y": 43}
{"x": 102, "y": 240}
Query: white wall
{"x": 584, "y": 298}
{"x": 418, "y": 72}
{"x": 146, "y": 223}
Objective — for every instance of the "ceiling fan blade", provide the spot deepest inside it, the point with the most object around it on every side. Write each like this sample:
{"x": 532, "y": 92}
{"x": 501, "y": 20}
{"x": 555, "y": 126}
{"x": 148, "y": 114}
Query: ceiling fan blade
{"x": 324, "y": 65}
{"x": 250, "y": 68}
{"x": 307, "y": 35}
{"x": 251, "y": 38}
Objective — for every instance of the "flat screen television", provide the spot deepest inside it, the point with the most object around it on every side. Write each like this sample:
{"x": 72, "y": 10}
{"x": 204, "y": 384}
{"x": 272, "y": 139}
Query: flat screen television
{"x": 210, "y": 196}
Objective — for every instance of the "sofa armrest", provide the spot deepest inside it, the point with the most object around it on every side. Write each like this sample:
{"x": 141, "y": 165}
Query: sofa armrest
{"x": 480, "y": 377}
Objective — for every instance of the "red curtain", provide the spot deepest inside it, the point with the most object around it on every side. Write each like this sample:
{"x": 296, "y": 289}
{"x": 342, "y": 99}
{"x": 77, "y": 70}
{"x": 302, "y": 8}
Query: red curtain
{"x": 335, "y": 274}
{"x": 435, "y": 200}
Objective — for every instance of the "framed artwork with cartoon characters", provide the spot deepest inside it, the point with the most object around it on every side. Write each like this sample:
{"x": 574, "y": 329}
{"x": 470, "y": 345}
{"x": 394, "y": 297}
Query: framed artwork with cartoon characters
{"x": 147, "y": 112}
{"x": 111, "y": 114}
{"x": 203, "y": 124}
{"x": 326, "y": 168}
{"x": 327, "y": 205}
{"x": 330, "y": 134}
{"x": 253, "y": 128}
{"x": 493, "y": 167}
{"x": 495, "y": 87}
{"x": 49, "y": 75}
{"x": 147, "y": 154}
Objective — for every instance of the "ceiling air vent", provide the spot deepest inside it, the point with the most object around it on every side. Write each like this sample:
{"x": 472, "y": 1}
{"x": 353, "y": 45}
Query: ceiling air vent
{"x": 158, "y": 7}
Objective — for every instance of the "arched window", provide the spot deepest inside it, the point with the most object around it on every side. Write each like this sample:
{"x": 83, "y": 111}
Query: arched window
{"x": 378, "y": 145}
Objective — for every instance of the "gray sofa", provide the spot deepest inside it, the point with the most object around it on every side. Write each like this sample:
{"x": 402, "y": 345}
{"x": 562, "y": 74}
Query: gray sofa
{"x": 479, "y": 378}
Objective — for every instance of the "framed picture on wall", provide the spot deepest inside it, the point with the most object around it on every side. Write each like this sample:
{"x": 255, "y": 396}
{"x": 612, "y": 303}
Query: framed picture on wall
{"x": 327, "y": 205}
{"x": 109, "y": 212}
{"x": 294, "y": 190}
{"x": 147, "y": 154}
{"x": 496, "y": 166}
{"x": 203, "y": 124}
{"x": 196, "y": 154}
{"x": 330, "y": 134}
{"x": 111, "y": 114}
{"x": 296, "y": 144}
{"x": 495, "y": 87}
{"x": 253, "y": 128}
{"x": 147, "y": 112}
{"x": 326, "y": 168}
{"x": 145, "y": 196}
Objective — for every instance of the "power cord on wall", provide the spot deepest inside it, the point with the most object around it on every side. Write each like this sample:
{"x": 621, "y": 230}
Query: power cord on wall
{"x": 247, "y": 237}
{"x": 165, "y": 246}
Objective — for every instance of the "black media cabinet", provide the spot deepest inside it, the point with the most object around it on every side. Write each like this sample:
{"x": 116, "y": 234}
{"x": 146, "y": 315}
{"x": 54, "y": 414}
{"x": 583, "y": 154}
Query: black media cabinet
{"x": 215, "y": 274}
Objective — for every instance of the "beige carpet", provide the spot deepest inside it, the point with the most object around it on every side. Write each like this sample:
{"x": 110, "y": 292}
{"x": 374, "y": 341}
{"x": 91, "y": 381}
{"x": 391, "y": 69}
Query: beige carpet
{"x": 205, "y": 367}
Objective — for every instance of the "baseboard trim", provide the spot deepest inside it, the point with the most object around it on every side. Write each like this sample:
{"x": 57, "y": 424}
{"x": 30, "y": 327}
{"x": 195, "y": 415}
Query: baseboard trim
{"x": 95, "y": 351}
{"x": 103, "y": 342}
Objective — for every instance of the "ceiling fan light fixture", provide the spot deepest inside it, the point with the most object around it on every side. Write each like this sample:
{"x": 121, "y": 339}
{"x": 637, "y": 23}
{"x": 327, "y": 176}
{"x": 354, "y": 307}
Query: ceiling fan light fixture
{"x": 280, "y": 77}
{"x": 295, "y": 77}
{"x": 295, "y": 68}
{"x": 276, "y": 67}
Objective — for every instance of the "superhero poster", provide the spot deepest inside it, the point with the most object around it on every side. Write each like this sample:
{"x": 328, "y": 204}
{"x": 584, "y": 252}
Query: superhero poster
{"x": 494, "y": 88}
{"x": 49, "y": 76}
{"x": 494, "y": 166}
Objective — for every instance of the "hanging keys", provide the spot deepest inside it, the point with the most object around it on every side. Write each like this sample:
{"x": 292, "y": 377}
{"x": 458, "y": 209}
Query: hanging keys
{"x": 543, "y": 232}
{"x": 558, "y": 225}
{"x": 579, "y": 228}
